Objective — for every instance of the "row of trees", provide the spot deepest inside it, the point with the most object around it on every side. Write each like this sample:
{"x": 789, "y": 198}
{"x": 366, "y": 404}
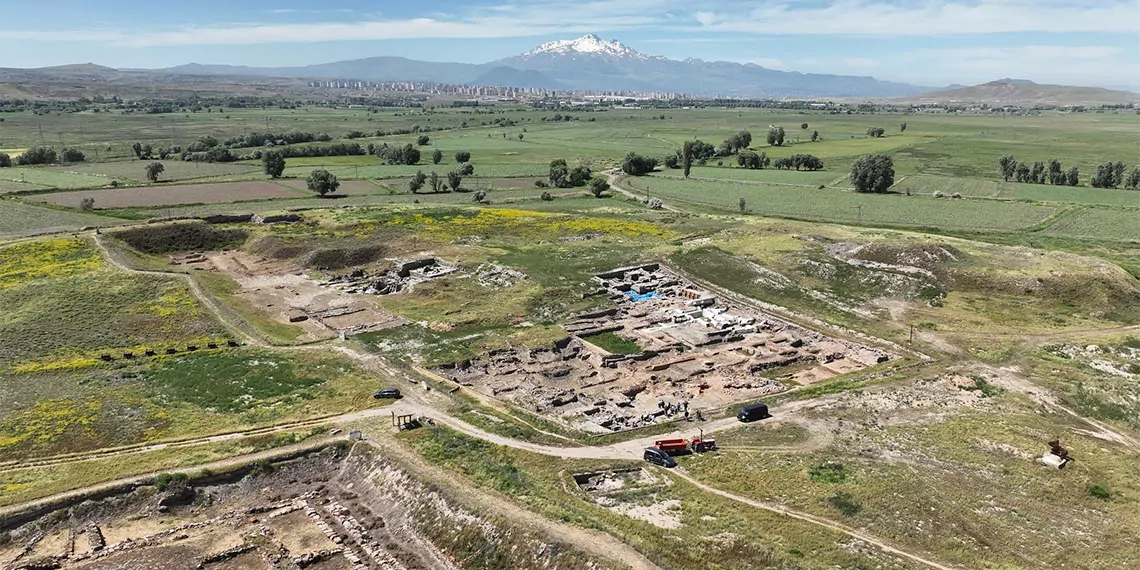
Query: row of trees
{"x": 1111, "y": 175}
{"x": 43, "y": 155}
{"x": 799, "y": 161}
{"x": 562, "y": 176}
{"x": 1038, "y": 173}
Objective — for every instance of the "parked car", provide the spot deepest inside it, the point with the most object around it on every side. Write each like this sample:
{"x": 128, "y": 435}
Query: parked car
{"x": 753, "y": 413}
{"x": 659, "y": 457}
{"x": 388, "y": 394}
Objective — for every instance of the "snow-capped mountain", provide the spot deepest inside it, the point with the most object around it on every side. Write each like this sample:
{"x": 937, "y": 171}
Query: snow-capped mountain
{"x": 589, "y": 44}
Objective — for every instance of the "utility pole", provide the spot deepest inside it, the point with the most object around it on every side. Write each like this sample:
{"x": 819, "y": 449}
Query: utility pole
{"x": 859, "y": 207}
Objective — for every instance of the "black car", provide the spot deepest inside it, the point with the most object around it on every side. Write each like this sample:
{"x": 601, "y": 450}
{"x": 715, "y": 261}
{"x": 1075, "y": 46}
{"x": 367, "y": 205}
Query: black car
{"x": 753, "y": 413}
{"x": 388, "y": 393}
{"x": 658, "y": 457}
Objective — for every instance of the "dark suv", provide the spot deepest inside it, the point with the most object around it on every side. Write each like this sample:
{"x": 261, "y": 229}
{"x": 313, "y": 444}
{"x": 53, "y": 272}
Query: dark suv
{"x": 388, "y": 393}
{"x": 658, "y": 457}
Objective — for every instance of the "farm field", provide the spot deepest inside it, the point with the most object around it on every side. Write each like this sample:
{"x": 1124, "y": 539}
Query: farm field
{"x": 1074, "y": 195}
{"x": 770, "y": 175}
{"x": 848, "y": 207}
{"x": 52, "y": 178}
{"x": 1099, "y": 223}
{"x": 17, "y": 217}
{"x": 9, "y": 186}
{"x": 170, "y": 195}
{"x": 346, "y": 188}
{"x": 173, "y": 170}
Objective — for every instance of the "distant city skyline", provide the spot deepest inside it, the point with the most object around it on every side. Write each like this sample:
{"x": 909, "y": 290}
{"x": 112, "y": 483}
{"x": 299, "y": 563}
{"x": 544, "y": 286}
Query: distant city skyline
{"x": 931, "y": 43}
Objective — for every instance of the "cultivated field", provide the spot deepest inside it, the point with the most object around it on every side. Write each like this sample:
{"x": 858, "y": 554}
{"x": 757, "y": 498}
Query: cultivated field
{"x": 831, "y": 205}
{"x": 169, "y": 195}
{"x": 135, "y": 170}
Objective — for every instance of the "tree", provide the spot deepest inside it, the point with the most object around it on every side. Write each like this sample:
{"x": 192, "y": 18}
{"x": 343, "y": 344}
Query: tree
{"x": 436, "y": 156}
{"x": 736, "y": 143}
{"x": 672, "y": 161}
{"x": 1037, "y": 173}
{"x": 406, "y": 154}
{"x": 559, "y": 173}
{"x": 137, "y": 148}
{"x": 322, "y": 182}
{"x": 751, "y": 160}
{"x": 87, "y": 204}
{"x": 803, "y": 126}
{"x": 547, "y": 196}
{"x": 37, "y": 155}
{"x": 876, "y": 132}
{"x": 273, "y": 163}
{"x": 873, "y": 173}
{"x": 1007, "y": 166}
{"x": 521, "y": 136}
{"x": 454, "y": 179}
{"x": 743, "y": 204}
{"x": 462, "y": 156}
{"x": 1108, "y": 175}
{"x": 71, "y": 155}
{"x": 598, "y": 185}
{"x": 902, "y": 128}
{"x": 1056, "y": 174}
{"x": 5, "y": 160}
{"x": 637, "y": 165}
{"x": 804, "y": 162}
{"x": 1130, "y": 183}
{"x": 153, "y": 170}
{"x": 580, "y": 175}
{"x": 687, "y": 157}
{"x": 435, "y": 182}
{"x": 1021, "y": 173}
{"x": 423, "y": 140}
{"x": 814, "y": 136}
{"x": 417, "y": 182}
{"x": 466, "y": 169}
{"x": 1073, "y": 177}
{"x": 776, "y": 136}
{"x": 480, "y": 194}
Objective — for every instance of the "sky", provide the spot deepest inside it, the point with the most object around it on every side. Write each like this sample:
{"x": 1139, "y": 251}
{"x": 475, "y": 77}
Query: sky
{"x": 925, "y": 42}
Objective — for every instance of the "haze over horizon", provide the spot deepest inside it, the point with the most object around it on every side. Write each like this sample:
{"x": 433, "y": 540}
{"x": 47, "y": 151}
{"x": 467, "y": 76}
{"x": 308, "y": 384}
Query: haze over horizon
{"x": 932, "y": 43}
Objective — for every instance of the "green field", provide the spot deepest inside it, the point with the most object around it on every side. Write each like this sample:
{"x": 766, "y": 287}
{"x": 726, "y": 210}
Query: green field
{"x": 771, "y": 175}
{"x": 839, "y": 206}
{"x": 1099, "y": 223}
{"x": 53, "y": 177}
{"x": 135, "y": 170}
{"x": 17, "y": 217}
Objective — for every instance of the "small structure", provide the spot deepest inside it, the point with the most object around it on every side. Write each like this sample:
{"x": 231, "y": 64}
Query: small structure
{"x": 1057, "y": 457}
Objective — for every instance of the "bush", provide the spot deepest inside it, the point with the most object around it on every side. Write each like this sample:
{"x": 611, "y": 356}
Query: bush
{"x": 5, "y": 160}
{"x": 462, "y": 156}
{"x": 637, "y": 165}
{"x": 166, "y": 480}
{"x": 153, "y": 170}
{"x": 423, "y": 140}
{"x": 87, "y": 204}
{"x": 546, "y": 196}
{"x": 1100, "y": 491}
{"x": 830, "y": 473}
{"x": 598, "y": 186}
{"x": 466, "y": 169}
{"x": 541, "y": 184}
{"x": 38, "y": 155}
{"x": 71, "y": 155}
{"x": 654, "y": 204}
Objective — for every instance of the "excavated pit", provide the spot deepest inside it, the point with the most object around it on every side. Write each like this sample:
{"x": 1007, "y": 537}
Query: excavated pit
{"x": 338, "y": 508}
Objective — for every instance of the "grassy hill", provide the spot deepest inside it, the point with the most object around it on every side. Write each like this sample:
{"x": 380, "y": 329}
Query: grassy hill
{"x": 1022, "y": 92}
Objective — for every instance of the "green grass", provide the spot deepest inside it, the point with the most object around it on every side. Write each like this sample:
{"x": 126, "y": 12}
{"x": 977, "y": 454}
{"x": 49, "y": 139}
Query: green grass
{"x": 53, "y": 177}
{"x": 803, "y": 178}
{"x": 1098, "y": 223}
{"x": 923, "y": 184}
{"x": 1075, "y": 195}
{"x": 614, "y": 344}
{"x": 18, "y": 218}
{"x": 135, "y": 170}
{"x": 838, "y": 206}
{"x": 230, "y": 383}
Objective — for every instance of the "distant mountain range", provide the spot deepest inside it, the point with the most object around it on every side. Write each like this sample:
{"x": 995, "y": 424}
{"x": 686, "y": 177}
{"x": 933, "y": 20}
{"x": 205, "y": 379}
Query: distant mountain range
{"x": 588, "y": 63}
{"x": 1022, "y": 92}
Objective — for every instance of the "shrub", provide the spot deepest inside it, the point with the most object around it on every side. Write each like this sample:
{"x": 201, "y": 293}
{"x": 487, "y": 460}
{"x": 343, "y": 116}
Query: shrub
{"x": 423, "y": 140}
{"x": 541, "y": 184}
{"x": 463, "y": 156}
{"x": 830, "y": 473}
{"x": 637, "y": 165}
{"x": 1100, "y": 491}
{"x": 546, "y": 196}
{"x": 5, "y": 160}
{"x": 166, "y": 480}
{"x": 71, "y": 155}
{"x": 87, "y": 204}
{"x": 38, "y": 155}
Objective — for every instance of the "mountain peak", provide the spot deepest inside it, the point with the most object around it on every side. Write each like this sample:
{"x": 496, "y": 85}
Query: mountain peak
{"x": 587, "y": 44}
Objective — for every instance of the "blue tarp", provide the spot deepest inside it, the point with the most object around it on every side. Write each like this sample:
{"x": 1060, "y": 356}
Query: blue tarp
{"x": 635, "y": 297}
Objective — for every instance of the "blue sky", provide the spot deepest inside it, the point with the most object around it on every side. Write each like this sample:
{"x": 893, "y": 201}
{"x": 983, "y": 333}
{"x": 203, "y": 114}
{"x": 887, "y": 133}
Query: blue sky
{"x": 929, "y": 42}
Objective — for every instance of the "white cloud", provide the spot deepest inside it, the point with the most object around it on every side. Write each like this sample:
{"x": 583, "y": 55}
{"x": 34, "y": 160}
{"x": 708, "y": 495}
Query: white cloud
{"x": 955, "y": 17}
{"x": 549, "y": 17}
{"x": 1092, "y": 65}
